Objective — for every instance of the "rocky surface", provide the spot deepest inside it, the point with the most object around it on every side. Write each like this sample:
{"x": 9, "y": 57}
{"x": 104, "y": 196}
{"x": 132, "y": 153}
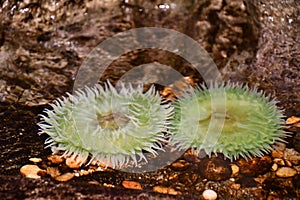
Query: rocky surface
{"x": 43, "y": 43}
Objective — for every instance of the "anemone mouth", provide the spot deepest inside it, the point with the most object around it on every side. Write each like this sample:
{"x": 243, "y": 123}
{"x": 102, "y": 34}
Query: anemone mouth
{"x": 112, "y": 120}
{"x": 250, "y": 122}
{"x": 103, "y": 124}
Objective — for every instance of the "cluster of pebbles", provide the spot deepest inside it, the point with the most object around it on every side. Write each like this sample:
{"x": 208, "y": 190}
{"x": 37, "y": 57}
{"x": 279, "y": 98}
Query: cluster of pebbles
{"x": 282, "y": 162}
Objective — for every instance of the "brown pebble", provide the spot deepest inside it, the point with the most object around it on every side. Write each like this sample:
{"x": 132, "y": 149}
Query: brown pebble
{"x": 173, "y": 177}
{"x": 255, "y": 166}
{"x": 65, "y": 177}
{"x": 35, "y": 160}
{"x": 288, "y": 163}
{"x": 108, "y": 185}
{"x": 295, "y": 159}
{"x": 191, "y": 157}
{"x": 260, "y": 179}
{"x": 235, "y": 170}
{"x": 132, "y": 185}
{"x": 279, "y": 146}
{"x": 215, "y": 169}
{"x": 180, "y": 165}
{"x": 272, "y": 197}
{"x": 274, "y": 167}
{"x": 297, "y": 168}
{"x": 236, "y": 186}
{"x": 53, "y": 171}
{"x": 286, "y": 172}
{"x": 292, "y": 156}
{"x": 165, "y": 190}
{"x": 55, "y": 159}
{"x": 94, "y": 183}
{"x": 188, "y": 178}
{"x": 277, "y": 154}
{"x": 85, "y": 172}
{"x": 31, "y": 171}
{"x": 292, "y": 120}
{"x": 279, "y": 161}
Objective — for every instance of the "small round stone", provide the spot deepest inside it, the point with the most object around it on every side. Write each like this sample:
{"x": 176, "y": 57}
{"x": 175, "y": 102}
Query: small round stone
{"x": 209, "y": 194}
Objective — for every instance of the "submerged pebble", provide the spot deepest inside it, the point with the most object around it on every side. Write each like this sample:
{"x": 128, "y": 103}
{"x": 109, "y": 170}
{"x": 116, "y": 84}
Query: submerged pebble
{"x": 65, "y": 177}
{"x": 209, "y": 195}
{"x": 286, "y": 172}
{"x": 132, "y": 185}
{"x": 31, "y": 171}
{"x": 215, "y": 169}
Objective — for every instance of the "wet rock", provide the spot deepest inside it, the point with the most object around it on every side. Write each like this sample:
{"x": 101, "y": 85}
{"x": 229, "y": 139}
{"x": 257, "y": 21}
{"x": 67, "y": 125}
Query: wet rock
{"x": 255, "y": 166}
{"x": 286, "y": 172}
{"x": 275, "y": 70}
{"x": 215, "y": 169}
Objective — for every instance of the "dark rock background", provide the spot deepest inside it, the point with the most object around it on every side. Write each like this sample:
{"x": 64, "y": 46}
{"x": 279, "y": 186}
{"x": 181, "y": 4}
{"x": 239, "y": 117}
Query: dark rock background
{"x": 43, "y": 43}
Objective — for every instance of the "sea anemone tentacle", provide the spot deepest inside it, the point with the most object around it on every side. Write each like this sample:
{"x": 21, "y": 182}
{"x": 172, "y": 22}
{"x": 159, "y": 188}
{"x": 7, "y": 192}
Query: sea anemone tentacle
{"x": 251, "y": 121}
{"x": 106, "y": 125}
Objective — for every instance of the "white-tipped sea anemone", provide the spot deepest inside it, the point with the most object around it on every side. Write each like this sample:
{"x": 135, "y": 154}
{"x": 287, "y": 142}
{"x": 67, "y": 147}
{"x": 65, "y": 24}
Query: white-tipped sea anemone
{"x": 103, "y": 124}
{"x": 229, "y": 119}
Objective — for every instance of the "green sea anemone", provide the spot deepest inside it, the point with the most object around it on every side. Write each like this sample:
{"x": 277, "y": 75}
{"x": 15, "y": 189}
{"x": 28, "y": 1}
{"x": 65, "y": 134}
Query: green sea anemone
{"x": 106, "y": 125}
{"x": 229, "y": 119}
